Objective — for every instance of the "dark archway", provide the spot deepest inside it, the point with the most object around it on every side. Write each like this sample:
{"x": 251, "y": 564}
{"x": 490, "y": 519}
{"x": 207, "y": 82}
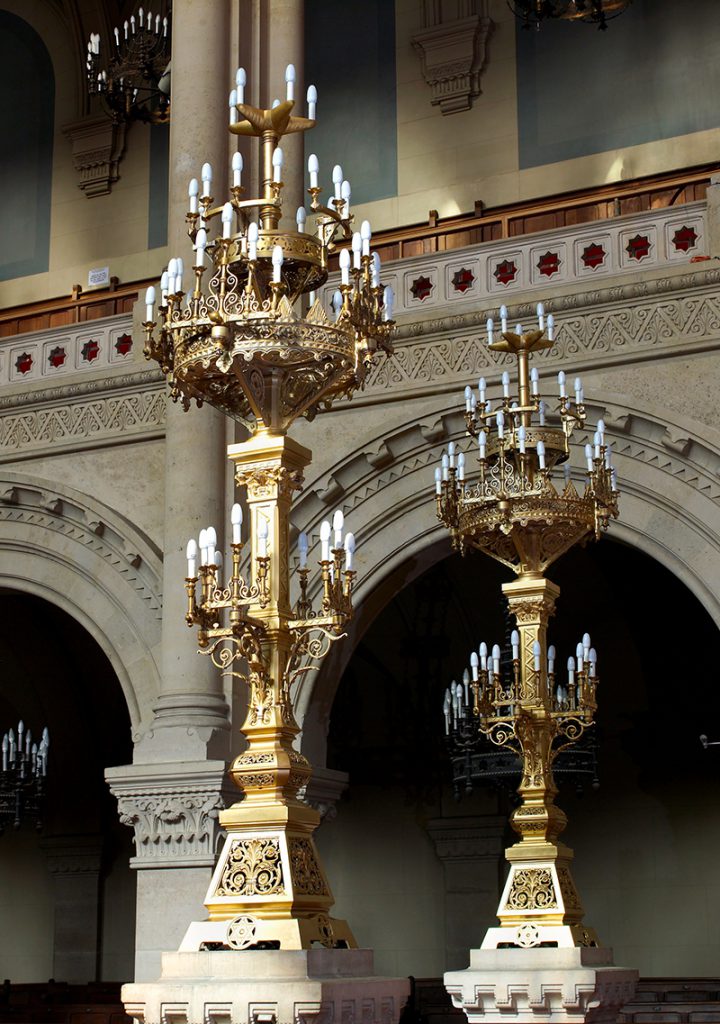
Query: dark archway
{"x": 642, "y": 843}
{"x": 71, "y": 884}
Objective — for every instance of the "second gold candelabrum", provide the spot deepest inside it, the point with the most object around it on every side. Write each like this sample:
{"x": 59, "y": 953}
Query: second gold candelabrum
{"x": 524, "y": 509}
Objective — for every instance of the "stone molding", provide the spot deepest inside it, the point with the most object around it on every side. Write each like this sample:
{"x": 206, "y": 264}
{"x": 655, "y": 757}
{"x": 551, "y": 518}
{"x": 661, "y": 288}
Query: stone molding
{"x": 323, "y": 790}
{"x": 98, "y": 144}
{"x": 453, "y": 55}
{"x": 73, "y": 855}
{"x": 468, "y": 838}
{"x": 173, "y": 810}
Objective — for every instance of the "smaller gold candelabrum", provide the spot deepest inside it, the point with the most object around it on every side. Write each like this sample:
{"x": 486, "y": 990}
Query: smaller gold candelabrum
{"x": 524, "y": 512}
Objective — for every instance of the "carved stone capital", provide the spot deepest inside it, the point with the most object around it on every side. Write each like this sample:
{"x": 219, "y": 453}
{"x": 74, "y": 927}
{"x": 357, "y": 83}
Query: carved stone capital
{"x": 98, "y": 144}
{"x": 452, "y": 54}
{"x": 173, "y": 809}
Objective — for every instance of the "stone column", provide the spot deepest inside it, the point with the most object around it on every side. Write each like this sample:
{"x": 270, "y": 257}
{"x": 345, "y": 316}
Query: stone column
{"x": 470, "y": 849}
{"x": 74, "y": 864}
{"x": 172, "y": 792}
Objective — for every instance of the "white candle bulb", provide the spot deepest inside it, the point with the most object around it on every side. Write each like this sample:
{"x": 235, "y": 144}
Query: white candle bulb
{"x": 586, "y": 643}
{"x": 388, "y": 302}
{"x": 345, "y": 193}
{"x": 474, "y": 665}
{"x": 445, "y": 466}
{"x": 490, "y": 326}
{"x": 337, "y": 303}
{"x": 482, "y": 443}
{"x": 461, "y": 466}
{"x": 313, "y": 169}
{"x": 482, "y": 387}
{"x": 540, "y": 309}
{"x": 506, "y": 384}
{"x": 206, "y": 176}
{"x": 277, "y": 262}
{"x": 496, "y": 659}
{"x": 592, "y": 661}
{"x": 589, "y": 457}
{"x": 164, "y": 282}
{"x": 357, "y": 250}
{"x": 566, "y": 473}
{"x": 337, "y": 177}
{"x": 290, "y": 82}
{"x": 571, "y": 670}
{"x": 236, "y": 522}
{"x": 515, "y": 642}
{"x": 503, "y": 318}
{"x": 203, "y": 545}
{"x": 521, "y": 439}
{"x": 338, "y": 523}
{"x": 252, "y": 240}
{"x": 349, "y": 552}
{"x": 518, "y": 329}
{"x": 551, "y": 660}
{"x": 500, "y": 422}
{"x": 191, "y": 553}
{"x": 438, "y": 480}
{"x": 541, "y": 412}
{"x": 601, "y": 428}
{"x": 613, "y": 479}
{"x": 561, "y": 384}
{"x": 541, "y": 454}
{"x": 237, "y": 169}
{"x": 468, "y": 398}
{"x": 374, "y": 269}
{"x": 240, "y": 82}
{"x": 551, "y": 327}
{"x": 578, "y": 391}
{"x": 303, "y": 550}
{"x": 312, "y": 102}
{"x": 597, "y": 442}
{"x": 482, "y": 651}
{"x": 277, "y": 162}
{"x": 579, "y": 654}
{"x": 325, "y": 531}
{"x": 227, "y": 217}
{"x": 301, "y": 218}
{"x": 262, "y": 536}
{"x": 150, "y": 302}
{"x": 232, "y": 104}
{"x": 345, "y": 266}
{"x": 193, "y": 189}
{"x": 366, "y": 235}
{"x": 534, "y": 381}
{"x": 536, "y": 655}
{"x": 608, "y": 456}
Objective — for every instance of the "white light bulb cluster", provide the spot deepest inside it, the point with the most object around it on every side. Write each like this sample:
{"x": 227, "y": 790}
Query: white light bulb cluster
{"x": 137, "y": 61}
{"x": 484, "y": 693}
{"x": 22, "y": 756}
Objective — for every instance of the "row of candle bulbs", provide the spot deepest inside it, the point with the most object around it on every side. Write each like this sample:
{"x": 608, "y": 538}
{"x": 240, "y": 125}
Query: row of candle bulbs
{"x": 18, "y": 752}
{"x": 544, "y": 324}
{"x": 457, "y": 701}
{"x": 129, "y": 28}
{"x": 206, "y": 545}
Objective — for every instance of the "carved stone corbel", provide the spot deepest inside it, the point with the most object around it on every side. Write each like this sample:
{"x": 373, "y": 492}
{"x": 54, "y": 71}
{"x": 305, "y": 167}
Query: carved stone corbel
{"x": 98, "y": 144}
{"x": 452, "y": 52}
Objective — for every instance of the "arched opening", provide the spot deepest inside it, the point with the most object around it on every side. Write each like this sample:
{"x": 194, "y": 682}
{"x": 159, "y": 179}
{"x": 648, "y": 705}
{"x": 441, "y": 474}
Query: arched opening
{"x": 69, "y": 889}
{"x": 416, "y": 872}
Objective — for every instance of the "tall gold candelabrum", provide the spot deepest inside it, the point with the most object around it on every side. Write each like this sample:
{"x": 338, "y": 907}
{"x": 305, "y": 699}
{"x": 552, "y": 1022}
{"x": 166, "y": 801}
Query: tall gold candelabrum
{"x": 525, "y": 511}
{"x": 258, "y": 344}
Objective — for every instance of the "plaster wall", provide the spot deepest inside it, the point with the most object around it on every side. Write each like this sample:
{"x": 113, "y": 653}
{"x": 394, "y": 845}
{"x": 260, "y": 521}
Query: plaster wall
{"x": 26, "y": 908}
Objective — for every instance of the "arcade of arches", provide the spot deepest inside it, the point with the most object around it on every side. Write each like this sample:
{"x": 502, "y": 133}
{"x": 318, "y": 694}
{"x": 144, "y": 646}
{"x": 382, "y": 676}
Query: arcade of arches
{"x": 614, "y": 225}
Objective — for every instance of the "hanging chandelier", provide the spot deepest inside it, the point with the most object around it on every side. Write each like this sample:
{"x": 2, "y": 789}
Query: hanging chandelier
{"x": 524, "y": 509}
{"x": 596, "y": 12}
{"x": 133, "y": 76}
{"x": 22, "y": 779}
{"x": 256, "y": 341}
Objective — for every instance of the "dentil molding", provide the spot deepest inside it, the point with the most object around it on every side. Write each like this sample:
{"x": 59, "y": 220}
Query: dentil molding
{"x": 452, "y": 52}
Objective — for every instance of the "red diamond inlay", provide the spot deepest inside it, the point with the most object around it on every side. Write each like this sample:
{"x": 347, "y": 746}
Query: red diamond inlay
{"x": 505, "y": 272}
{"x": 638, "y": 247}
{"x": 685, "y": 238}
{"x": 421, "y": 287}
{"x": 593, "y": 255}
{"x": 123, "y": 344}
{"x": 463, "y": 280}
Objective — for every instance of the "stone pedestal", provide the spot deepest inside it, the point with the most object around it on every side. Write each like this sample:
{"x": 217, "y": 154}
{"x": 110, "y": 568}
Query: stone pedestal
{"x": 557, "y": 986}
{"x": 268, "y": 987}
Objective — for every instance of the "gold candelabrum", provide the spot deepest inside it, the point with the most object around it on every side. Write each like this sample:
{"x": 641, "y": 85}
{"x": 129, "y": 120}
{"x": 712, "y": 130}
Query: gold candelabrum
{"x": 524, "y": 513}
{"x": 259, "y": 346}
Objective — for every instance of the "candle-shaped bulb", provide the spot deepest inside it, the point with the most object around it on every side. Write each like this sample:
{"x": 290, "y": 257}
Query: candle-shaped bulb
{"x": 540, "y": 448}
{"x": 589, "y": 457}
{"x": 541, "y": 412}
{"x": 237, "y": 169}
{"x": 149, "y": 303}
{"x": 206, "y": 176}
{"x": 551, "y": 327}
{"x": 227, "y": 218}
{"x": 337, "y": 177}
{"x": 496, "y": 659}
{"x": 482, "y": 444}
{"x": 500, "y": 423}
{"x": 325, "y": 531}
{"x": 193, "y": 189}
{"x": 461, "y": 466}
{"x": 503, "y": 318}
{"x": 482, "y": 388}
{"x": 445, "y": 465}
{"x": 345, "y": 266}
{"x": 551, "y": 660}
{"x": 534, "y": 381}
{"x": 540, "y": 309}
{"x": 312, "y": 102}
{"x": 277, "y": 262}
{"x": 536, "y": 655}
{"x": 236, "y": 517}
{"x": 366, "y": 235}
{"x": 290, "y": 82}
{"x": 521, "y": 438}
{"x": 232, "y": 104}
{"x": 277, "y": 162}
{"x": 490, "y": 327}
{"x": 515, "y": 643}
{"x": 191, "y": 553}
{"x": 349, "y": 552}
{"x": 345, "y": 193}
{"x": 338, "y": 522}
{"x": 240, "y": 82}
{"x": 303, "y": 549}
{"x": 561, "y": 384}
{"x": 578, "y": 391}
{"x": 313, "y": 169}
{"x": 483, "y": 652}
{"x": 506, "y": 384}
{"x": 468, "y": 398}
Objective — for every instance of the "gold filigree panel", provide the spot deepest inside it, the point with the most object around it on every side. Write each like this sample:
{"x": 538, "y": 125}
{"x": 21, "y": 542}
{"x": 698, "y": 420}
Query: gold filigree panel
{"x": 253, "y": 868}
{"x": 307, "y": 877}
{"x": 531, "y": 889}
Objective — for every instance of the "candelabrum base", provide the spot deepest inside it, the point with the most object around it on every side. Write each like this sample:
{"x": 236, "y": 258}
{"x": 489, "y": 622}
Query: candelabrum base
{"x": 312, "y": 986}
{"x": 557, "y": 986}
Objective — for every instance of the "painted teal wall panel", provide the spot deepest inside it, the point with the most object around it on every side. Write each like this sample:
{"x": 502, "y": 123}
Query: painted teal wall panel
{"x": 158, "y": 192}
{"x": 350, "y": 57}
{"x": 27, "y": 99}
{"x": 654, "y": 74}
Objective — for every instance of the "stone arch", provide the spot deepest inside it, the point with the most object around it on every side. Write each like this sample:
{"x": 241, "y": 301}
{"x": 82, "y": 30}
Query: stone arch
{"x": 669, "y": 478}
{"x": 89, "y": 560}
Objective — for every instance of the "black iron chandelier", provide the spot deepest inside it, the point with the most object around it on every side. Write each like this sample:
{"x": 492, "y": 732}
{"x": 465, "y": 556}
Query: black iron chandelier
{"x": 597, "y": 12}
{"x": 23, "y": 771}
{"x": 131, "y": 72}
